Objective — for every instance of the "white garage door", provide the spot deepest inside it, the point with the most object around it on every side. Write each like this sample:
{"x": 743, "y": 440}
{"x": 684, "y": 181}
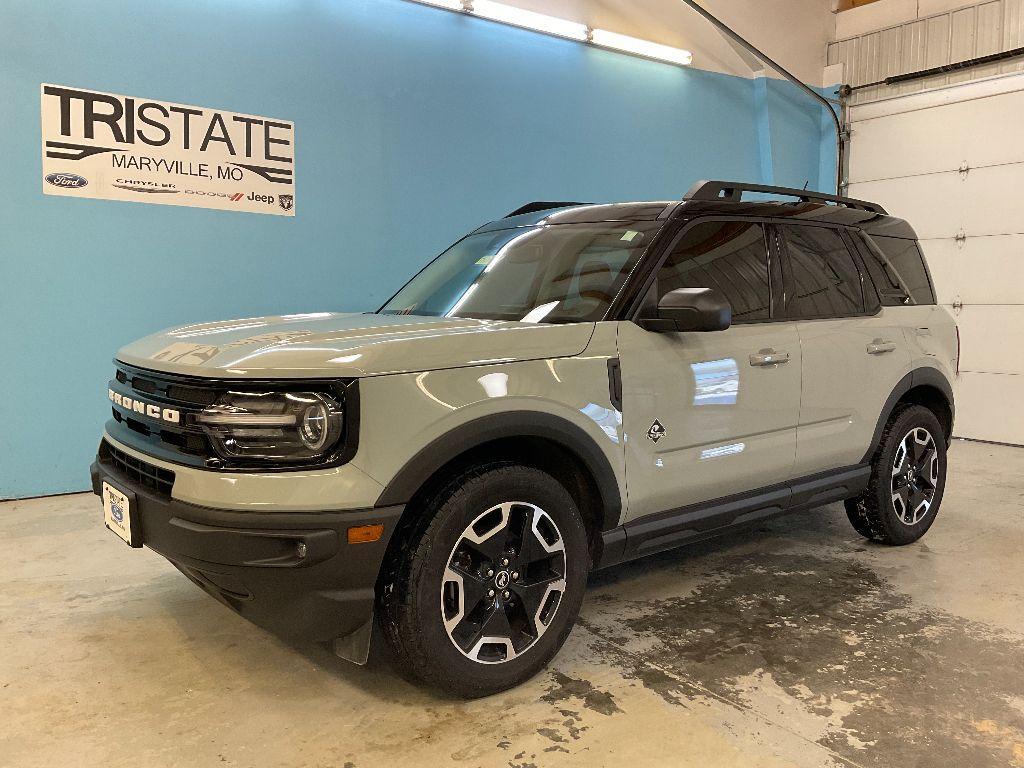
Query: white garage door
{"x": 951, "y": 162}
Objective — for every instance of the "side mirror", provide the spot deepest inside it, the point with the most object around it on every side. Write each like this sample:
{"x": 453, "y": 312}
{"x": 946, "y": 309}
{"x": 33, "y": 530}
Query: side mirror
{"x": 688, "y": 309}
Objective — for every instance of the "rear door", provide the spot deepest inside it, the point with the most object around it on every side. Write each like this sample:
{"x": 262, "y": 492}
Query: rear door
{"x": 853, "y": 351}
{"x": 708, "y": 415}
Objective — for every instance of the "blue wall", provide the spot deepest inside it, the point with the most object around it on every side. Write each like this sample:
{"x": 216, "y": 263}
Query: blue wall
{"x": 796, "y": 138}
{"x": 413, "y": 125}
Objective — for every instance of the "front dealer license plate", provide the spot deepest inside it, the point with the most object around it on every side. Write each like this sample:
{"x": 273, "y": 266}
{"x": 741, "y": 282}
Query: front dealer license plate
{"x": 117, "y": 515}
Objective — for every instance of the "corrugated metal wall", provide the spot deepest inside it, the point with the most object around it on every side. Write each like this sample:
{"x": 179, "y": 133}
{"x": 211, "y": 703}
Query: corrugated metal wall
{"x": 946, "y": 38}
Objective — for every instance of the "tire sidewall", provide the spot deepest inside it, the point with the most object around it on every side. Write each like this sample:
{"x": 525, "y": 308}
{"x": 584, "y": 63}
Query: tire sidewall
{"x": 514, "y": 483}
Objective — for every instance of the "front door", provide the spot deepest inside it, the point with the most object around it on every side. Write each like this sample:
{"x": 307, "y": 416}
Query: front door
{"x": 708, "y": 415}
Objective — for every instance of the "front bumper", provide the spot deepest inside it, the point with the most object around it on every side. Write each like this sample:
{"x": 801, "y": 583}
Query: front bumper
{"x": 251, "y": 561}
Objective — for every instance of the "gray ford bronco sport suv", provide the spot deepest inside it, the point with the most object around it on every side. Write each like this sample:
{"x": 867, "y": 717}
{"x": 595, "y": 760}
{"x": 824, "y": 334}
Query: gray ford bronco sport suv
{"x": 563, "y": 389}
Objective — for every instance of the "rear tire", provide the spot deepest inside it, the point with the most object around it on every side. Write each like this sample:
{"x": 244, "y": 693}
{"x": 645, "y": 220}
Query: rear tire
{"x": 908, "y": 477}
{"x": 486, "y": 587}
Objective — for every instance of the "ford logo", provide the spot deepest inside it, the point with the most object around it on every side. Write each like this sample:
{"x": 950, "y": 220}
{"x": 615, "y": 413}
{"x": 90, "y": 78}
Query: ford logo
{"x": 66, "y": 180}
{"x": 117, "y": 513}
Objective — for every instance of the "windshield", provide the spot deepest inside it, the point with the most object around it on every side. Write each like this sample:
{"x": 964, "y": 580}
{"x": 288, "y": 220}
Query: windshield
{"x": 553, "y": 274}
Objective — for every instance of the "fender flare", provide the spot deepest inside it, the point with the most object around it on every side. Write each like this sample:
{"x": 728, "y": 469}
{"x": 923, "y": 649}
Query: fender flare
{"x": 432, "y": 457}
{"x": 918, "y": 377}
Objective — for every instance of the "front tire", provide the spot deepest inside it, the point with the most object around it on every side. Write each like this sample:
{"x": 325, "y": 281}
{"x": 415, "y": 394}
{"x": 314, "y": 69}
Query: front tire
{"x": 908, "y": 477}
{"x": 487, "y": 587}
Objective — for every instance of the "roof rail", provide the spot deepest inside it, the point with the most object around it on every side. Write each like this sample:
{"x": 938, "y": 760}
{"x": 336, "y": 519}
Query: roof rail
{"x": 732, "y": 191}
{"x": 539, "y": 206}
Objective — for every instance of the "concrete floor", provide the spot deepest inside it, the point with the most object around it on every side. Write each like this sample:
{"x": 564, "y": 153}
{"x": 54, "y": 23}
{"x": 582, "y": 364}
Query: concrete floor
{"x": 797, "y": 645}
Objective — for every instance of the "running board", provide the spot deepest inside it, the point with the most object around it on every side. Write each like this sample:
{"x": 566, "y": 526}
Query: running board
{"x": 697, "y": 522}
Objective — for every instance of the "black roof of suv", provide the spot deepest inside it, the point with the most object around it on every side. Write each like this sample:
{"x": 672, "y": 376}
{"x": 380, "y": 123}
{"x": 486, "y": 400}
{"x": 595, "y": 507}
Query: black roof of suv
{"x": 718, "y": 197}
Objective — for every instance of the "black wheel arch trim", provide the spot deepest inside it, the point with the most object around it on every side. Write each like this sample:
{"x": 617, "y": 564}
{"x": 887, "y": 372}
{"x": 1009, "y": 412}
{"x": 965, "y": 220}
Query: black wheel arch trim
{"x": 514, "y": 424}
{"x": 918, "y": 377}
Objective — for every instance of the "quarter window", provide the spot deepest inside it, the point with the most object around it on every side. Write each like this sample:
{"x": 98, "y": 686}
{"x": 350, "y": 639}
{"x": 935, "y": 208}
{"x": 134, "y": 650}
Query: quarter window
{"x": 898, "y": 270}
{"x": 730, "y": 256}
{"x": 826, "y": 281}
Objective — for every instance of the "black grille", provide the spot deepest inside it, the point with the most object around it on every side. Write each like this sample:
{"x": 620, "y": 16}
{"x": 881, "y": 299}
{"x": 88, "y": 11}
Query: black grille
{"x": 181, "y": 441}
{"x": 143, "y": 385}
{"x": 142, "y": 472}
{"x": 193, "y": 395}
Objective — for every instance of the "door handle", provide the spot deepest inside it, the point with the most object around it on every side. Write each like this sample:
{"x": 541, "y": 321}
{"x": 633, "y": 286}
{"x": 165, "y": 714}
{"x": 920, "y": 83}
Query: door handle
{"x": 880, "y": 347}
{"x": 767, "y": 357}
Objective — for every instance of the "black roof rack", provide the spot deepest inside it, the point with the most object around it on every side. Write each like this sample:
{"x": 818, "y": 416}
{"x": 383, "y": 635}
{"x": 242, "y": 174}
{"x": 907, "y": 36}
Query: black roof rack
{"x": 732, "y": 191}
{"x": 539, "y": 206}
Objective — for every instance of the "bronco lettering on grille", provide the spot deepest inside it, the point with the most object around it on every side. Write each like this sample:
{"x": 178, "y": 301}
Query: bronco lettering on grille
{"x": 169, "y": 415}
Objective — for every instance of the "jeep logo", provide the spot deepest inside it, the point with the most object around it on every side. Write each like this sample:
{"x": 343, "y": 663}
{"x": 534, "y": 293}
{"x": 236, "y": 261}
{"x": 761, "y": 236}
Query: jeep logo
{"x": 169, "y": 415}
{"x": 66, "y": 180}
{"x": 269, "y": 199}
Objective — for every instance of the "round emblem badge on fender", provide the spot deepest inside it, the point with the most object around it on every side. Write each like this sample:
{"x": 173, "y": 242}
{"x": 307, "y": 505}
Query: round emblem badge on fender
{"x": 501, "y": 580}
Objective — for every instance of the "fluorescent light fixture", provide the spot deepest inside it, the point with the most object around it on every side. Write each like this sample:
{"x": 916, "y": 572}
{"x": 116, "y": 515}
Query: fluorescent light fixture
{"x": 540, "y": 22}
{"x": 638, "y": 47}
{"x": 451, "y": 5}
{"x": 572, "y": 30}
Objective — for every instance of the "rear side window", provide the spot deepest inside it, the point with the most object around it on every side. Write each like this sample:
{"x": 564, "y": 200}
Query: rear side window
{"x": 730, "y": 256}
{"x": 826, "y": 281}
{"x": 898, "y": 269}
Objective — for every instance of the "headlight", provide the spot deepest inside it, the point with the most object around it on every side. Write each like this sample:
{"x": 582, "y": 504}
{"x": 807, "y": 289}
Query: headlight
{"x": 274, "y": 426}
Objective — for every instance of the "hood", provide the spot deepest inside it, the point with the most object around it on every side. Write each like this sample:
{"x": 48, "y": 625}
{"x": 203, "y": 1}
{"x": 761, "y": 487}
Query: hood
{"x": 327, "y": 344}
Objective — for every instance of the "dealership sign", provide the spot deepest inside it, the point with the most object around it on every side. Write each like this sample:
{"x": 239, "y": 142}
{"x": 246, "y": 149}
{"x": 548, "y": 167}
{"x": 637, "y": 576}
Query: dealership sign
{"x": 124, "y": 148}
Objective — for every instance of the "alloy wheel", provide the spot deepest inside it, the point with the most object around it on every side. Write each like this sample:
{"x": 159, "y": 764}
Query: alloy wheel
{"x": 503, "y": 582}
{"x": 915, "y": 475}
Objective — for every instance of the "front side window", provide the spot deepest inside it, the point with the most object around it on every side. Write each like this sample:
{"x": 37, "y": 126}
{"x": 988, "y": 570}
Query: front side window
{"x": 553, "y": 274}
{"x": 730, "y": 256}
{"x": 826, "y": 281}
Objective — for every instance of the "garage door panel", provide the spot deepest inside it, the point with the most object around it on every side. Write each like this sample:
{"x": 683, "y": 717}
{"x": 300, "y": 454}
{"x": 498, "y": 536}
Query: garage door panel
{"x": 981, "y": 270}
{"x": 941, "y": 138}
{"x": 989, "y": 270}
{"x": 992, "y": 197}
{"x": 999, "y": 117}
{"x": 986, "y": 407}
{"x": 932, "y": 204}
{"x": 991, "y": 340}
{"x": 942, "y": 257}
{"x": 896, "y": 148}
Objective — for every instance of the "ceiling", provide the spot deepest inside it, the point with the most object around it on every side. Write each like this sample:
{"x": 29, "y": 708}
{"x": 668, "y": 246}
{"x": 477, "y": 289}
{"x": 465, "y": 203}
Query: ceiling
{"x": 794, "y": 32}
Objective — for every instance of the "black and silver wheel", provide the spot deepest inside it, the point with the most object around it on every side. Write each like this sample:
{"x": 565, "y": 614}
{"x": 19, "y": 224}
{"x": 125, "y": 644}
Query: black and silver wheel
{"x": 915, "y": 473}
{"x": 504, "y": 581}
{"x": 908, "y": 475}
{"x": 484, "y": 592}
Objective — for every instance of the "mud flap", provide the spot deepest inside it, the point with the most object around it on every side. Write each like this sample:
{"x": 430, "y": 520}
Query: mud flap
{"x": 356, "y": 646}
